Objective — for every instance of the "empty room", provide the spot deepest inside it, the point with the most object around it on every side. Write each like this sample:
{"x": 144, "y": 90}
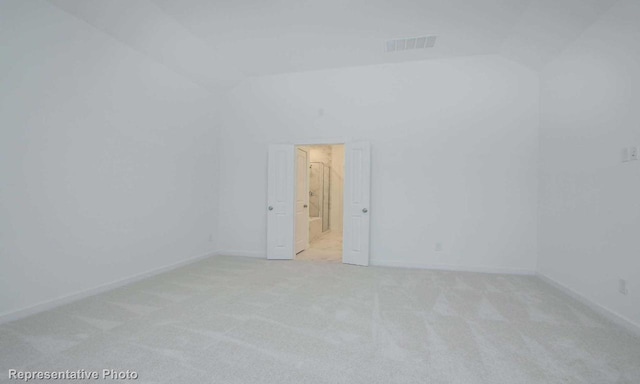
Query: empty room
{"x": 217, "y": 191}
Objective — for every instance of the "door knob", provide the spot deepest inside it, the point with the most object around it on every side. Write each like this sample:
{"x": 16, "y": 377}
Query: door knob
{"x": 270, "y": 208}
{"x": 365, "y": 210}
{"x": 305, "y": 206}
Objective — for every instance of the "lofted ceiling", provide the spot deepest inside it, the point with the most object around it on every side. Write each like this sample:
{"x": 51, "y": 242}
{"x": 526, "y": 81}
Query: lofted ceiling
{"x": 218, "y": 42}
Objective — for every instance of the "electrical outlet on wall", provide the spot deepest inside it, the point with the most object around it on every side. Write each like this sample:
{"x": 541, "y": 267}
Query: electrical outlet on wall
{"x": 438, "y": 247}
{"x": 210, "y": 237}
{"x": 622, "y": 286}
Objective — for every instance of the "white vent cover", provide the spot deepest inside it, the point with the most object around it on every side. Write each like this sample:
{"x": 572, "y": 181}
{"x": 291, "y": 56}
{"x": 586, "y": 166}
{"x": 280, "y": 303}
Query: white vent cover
{"x": 410, "y": 43}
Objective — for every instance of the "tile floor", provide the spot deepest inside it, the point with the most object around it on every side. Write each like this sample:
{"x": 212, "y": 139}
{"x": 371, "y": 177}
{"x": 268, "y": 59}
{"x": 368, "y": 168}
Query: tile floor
{"x": 326, "y": 247}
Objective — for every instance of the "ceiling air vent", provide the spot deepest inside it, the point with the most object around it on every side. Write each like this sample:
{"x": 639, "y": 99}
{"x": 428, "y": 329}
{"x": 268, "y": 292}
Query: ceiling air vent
{"x": 410, "y": 43}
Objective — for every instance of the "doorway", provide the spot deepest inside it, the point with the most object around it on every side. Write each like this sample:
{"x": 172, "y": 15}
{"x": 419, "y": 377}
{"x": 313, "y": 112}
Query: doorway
{"x": 319, "y": 189}
{"x": 283, "y": 202}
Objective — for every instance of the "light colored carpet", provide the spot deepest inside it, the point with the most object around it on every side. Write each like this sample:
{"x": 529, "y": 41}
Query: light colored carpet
{"x": 241, "y": 320}
{"x": 327, "y": 247}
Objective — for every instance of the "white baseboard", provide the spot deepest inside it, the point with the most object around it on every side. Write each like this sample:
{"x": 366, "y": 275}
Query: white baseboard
{"x": 228, "y": 252}
{"x": 66, "y": 299}
{"x": 449, "y": 267}
{"x": 607, "y": 313}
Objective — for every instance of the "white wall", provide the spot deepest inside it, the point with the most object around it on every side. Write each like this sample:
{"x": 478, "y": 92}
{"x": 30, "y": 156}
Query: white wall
{"x": 106, "y": 159}
{"x": 455, "y": 148}
{"x": 589, "y": 199}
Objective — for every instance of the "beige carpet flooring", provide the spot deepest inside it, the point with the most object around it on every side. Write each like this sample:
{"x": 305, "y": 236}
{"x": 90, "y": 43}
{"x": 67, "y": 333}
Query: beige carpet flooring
{"x": 242, "y": 320}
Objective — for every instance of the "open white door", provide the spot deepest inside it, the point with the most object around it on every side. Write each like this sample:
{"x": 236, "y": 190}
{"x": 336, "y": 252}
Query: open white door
{"x": 302, "y": 200}
{"x": 280, "y": 201}
{"x": 357, "y": 191}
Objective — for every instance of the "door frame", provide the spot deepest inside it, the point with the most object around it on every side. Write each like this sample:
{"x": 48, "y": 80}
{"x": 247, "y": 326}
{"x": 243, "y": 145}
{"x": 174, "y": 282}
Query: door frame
{"x": 292, "y": 176}
{"x": 312, "y": 142}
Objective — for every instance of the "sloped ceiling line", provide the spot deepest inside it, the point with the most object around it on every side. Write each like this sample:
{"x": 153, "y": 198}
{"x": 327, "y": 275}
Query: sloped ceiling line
{"x": 216, "y": 44}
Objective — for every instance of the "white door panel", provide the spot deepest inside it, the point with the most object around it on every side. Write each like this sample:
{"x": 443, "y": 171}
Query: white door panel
{"x": 280, "y": 200}
{"x": 357, "y": 182}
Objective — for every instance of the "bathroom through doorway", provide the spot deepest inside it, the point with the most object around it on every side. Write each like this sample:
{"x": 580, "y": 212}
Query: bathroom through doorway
{"x": 319, "y": 202}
